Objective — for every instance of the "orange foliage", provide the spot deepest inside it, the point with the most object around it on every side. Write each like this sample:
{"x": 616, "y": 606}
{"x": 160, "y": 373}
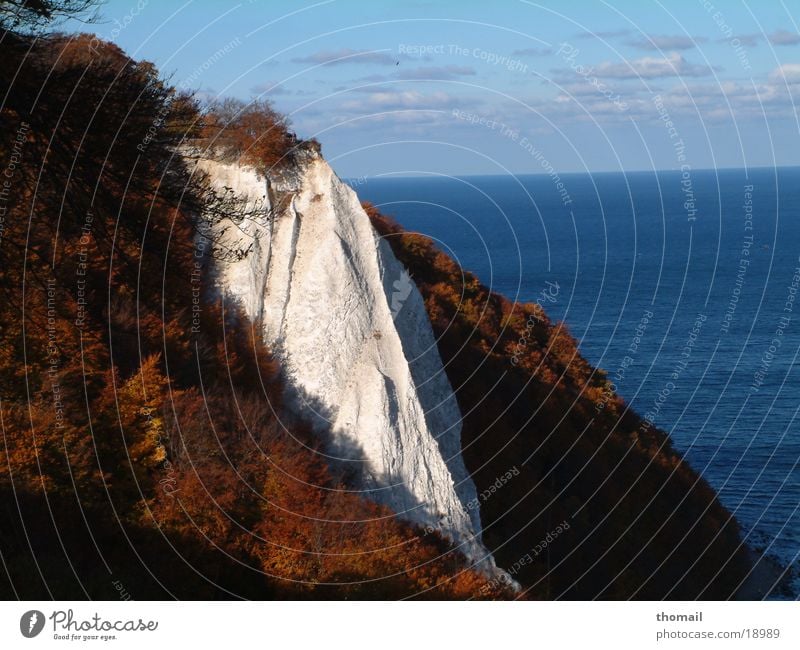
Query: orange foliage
{"x": 250, "y": 133}
{"x": 638, "y": 528}
{"x": 141, "y": 439}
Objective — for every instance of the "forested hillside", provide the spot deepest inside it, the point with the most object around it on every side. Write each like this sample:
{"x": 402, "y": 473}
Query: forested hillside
{"x": 143, "y": 439}
{"x": 641, "y": 522}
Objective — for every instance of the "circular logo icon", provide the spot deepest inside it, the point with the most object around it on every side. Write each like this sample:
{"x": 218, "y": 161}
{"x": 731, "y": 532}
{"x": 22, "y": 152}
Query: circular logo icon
{"x": 31, "y": 623}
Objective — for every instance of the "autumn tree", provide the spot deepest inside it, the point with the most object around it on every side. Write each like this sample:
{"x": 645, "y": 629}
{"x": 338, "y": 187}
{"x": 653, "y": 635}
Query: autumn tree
{"x": 252, "y": 133}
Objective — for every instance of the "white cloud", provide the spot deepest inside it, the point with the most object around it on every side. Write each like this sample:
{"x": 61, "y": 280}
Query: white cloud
{"x": 673, "y": 65}
{"x": 788, "y": 71}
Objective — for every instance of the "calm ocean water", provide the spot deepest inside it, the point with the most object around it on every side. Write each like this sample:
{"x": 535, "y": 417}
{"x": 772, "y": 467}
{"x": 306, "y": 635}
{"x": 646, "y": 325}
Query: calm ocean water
{"x": 700, "y": 272}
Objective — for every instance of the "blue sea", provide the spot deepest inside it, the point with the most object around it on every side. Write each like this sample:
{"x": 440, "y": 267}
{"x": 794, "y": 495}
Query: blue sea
{"x": 692, "y": 276}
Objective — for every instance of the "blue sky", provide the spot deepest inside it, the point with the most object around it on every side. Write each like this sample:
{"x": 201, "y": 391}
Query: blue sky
{"x": 469, "y": 87}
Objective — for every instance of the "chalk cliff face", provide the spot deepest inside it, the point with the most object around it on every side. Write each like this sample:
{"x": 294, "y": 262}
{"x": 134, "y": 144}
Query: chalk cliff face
{"x": 350, "y": 329}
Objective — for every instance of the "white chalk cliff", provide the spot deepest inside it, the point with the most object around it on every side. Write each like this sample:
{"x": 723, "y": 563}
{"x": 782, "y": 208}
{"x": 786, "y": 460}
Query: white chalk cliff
{"x": 351, "y": 331}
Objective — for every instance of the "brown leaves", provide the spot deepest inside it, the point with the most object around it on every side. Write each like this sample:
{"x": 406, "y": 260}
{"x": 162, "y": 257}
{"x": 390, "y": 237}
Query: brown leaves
{"x": 251, "y": 133}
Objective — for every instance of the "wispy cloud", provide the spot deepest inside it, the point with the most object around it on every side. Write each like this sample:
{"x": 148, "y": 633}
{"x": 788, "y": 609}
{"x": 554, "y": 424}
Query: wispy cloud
{"x": 391, "y": 109}
{"x": 609, "y": 33}
{"x": 778, "y": 37}
{"x": 270, "y": 88}
{"x": 373, "y": 79}
{"x": 437, "y": 72}
{"x": 673, "y": 65}
{"x": 748, "y": 40}
{"x": 395, "y": 100}
{"x": 719, "y": 103}
{"x": 782, "y": 37}
{"x": 532, "y": 51}
{"x": 666, "y": 42}
{"x": 348, "y": 55}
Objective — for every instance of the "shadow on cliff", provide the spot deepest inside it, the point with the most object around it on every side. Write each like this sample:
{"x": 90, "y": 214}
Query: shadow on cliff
{"x": 349, "y": 468}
